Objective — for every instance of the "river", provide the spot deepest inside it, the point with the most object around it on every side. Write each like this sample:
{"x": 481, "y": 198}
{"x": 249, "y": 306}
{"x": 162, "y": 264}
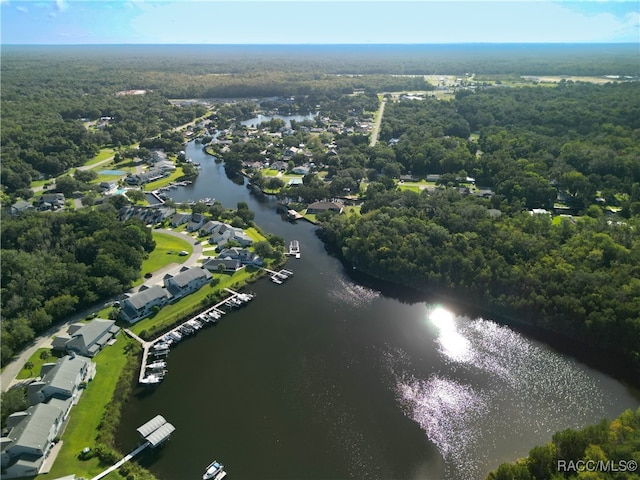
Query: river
{"x": 325, "y": 378}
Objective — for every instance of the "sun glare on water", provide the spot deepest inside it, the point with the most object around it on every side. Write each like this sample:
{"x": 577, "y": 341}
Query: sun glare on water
{"x": 452, "y": 344}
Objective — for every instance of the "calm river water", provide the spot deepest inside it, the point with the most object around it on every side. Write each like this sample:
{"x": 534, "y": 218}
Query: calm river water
{"x": 324, "y": 378}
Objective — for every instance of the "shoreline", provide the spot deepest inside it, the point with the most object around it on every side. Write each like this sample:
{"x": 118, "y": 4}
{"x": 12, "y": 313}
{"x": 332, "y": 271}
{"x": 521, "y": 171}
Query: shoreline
{"x": 613, "y": 364}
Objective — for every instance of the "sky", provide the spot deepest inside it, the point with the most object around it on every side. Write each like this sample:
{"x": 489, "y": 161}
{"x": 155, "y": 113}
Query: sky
{"x": 318, "y": 22}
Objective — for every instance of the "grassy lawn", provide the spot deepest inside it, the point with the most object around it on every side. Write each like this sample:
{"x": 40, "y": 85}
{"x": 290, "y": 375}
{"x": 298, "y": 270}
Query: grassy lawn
{"x": 37, "y": 364}
{"x": 163, "y": 182}
{"x": 413, "y": 188}
{"x": 102, "y": 155}
{"x": 85, "y": 417}
{"x": 269, "y": 172}
{"x": 166, "y": 252}
{"x": 352, "y": 210}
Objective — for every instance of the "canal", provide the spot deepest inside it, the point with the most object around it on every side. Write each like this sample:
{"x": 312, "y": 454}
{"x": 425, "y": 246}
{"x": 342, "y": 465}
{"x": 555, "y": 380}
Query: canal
{"x": 326, "y": 378}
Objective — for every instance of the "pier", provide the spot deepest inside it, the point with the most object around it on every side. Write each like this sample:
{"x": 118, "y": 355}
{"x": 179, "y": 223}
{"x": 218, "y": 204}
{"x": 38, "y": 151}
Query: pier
{"x": 280, "y": 276}
{"x": 154, "y": 433}
{"x": 154, "y": 372}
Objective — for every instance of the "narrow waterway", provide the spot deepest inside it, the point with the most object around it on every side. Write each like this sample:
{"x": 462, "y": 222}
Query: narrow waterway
{"x": 324, "y": 378}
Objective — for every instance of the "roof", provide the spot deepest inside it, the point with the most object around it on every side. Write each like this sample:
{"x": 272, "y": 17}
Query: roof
{"x": 63, "y": 376}
{"x": 153, "y": 424}
{"x": 324, "y": 206}
{"x": 156, "y": 430}
{"x": 93, "y": 331}
{"x": 161, "y": 434}
{"x": 183, "y": 279}
{"x": 33, "y": 431}
{"x": 144, "y": 297}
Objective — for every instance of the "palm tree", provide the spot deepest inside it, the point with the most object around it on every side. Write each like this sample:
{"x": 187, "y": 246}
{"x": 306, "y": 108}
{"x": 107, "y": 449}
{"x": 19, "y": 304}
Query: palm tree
{"x": 29, "y": 366}
{"x": 44, "y": 354}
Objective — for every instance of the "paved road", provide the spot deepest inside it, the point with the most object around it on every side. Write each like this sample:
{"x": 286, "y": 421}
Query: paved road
{"x": 376, "y": 127}
{"x": 8, "y": 375}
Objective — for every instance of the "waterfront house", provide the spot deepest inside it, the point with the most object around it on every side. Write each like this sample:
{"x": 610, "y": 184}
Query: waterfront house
{"x": 140, "y": 305}
{"x": 87, "y": 338}
{"x": 319, "y": 207}
{"x": 29, "y": 439}
{"x": 62, "y": 380}
{"x": 187, "y": 281}
{"x": 224, "y": 264}
{"x": 243, "y": 255}
{"x": 222, "y": 233}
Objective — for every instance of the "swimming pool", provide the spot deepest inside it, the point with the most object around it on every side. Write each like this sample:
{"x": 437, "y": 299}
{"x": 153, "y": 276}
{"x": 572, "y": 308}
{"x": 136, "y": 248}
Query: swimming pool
{"x": 112, "y": 172}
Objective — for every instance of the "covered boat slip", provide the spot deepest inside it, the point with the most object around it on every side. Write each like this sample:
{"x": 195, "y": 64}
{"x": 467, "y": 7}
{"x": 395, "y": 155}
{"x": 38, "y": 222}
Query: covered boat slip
{"x": 156, "y": 430}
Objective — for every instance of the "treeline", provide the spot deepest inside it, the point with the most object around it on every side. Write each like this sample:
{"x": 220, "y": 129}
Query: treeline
{"x": 579, "y": 139}
{"x": 54, "y": 265}
{"x": 520, "y": 59}
{"x": 580, "y": 278}
{"x": 609, "y": 450}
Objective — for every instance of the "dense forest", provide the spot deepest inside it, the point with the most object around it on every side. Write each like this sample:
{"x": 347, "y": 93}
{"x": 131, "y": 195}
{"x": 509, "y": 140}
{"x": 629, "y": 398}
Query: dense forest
{"x": 609, "y": 450}
{"x": 54, "y": 265}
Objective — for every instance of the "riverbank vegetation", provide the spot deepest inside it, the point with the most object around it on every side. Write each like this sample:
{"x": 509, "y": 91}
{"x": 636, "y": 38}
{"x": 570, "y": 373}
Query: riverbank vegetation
{"x": 609, "y": 450}
{"x": 539, "y": 152}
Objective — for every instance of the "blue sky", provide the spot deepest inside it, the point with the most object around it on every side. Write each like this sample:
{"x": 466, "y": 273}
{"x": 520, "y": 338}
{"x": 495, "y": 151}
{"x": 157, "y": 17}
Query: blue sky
{"x": 307, "y": 21}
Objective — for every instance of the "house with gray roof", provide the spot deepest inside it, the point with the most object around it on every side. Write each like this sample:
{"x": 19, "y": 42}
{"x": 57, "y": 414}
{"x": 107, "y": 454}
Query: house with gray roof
{"x": 20, "y": 206}
{"x": 319, "y": 207}
{"x": 222, "y": 264}
{"x": 140, "y": 305}
{"x": 61, "y": 380}
{"x": 87, "y": 338}
{"x": 243, "y": 255}
{"x": 187, "y": 281}
{"x": 29, "y": 439}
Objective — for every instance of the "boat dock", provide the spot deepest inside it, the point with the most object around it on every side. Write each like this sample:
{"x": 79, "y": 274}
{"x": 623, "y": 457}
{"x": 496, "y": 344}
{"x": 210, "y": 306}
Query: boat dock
{"x": 294, "y": 248}
{"x": 154, "y": 352}
{"x": 280, "y": 276}
{"x": 154, "y": 433}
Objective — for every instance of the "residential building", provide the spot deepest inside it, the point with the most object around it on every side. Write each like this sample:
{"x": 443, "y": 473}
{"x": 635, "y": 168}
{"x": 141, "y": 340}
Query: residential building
{"x": 50, "y": 201}
{"x": 87, "y": 338}
{"x": 243, "y": 255}
{"x": 179, "y": 219}
{"x": 62, "y": 379}
{"x": 20, "y": 206}
{"x": 197, "y": 221}
{"x": 140, "y": 305}
{"x": 224, "y": 264}
{"x": 30, "y": 438}
{"x": 187, "y": 281}
{"x": 319, "y": 207}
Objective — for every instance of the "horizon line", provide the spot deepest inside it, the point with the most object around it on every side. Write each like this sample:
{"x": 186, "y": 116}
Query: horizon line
{"x": 313, "y": 44}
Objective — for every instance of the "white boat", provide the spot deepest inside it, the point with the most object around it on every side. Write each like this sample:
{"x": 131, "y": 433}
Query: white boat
{"x": 157, "y": 365}
{"x": 213, "y": 470}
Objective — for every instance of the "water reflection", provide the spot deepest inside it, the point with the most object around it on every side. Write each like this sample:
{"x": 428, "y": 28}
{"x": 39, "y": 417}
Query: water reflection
{"x": 494, "y": 385}
{"x": 452, "y": 344}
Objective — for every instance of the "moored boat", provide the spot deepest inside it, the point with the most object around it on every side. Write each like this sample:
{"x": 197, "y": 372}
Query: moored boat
{"x": 214, "y": 469}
